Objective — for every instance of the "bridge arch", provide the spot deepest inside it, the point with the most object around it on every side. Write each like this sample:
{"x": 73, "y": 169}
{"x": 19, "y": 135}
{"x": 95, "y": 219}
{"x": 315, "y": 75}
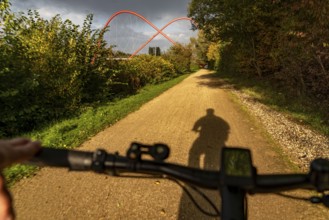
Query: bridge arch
{"x": 159, "y": 31}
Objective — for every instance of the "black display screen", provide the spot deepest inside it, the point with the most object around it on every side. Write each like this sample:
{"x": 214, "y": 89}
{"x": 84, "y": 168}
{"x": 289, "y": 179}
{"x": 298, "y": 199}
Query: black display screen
{"x": 237, "y": 162}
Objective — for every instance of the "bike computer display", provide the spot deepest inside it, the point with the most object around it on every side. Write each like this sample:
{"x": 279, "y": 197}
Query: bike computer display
{"x": 237, "y": 166}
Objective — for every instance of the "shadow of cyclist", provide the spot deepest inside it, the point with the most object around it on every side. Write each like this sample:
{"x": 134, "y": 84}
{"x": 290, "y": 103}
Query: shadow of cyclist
{"x": 205, "y": 154}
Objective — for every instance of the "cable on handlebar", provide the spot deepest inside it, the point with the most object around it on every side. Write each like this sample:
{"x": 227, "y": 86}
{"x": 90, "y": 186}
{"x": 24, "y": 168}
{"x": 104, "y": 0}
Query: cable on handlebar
{"x": 211, "y": 203}
{"x": 292, "y": 197}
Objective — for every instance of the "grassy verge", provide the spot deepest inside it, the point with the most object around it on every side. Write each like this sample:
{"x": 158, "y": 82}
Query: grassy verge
{"x": 302, "y": 109}
{"x": 274, "y": 145}
{"x": 73, "y": 132}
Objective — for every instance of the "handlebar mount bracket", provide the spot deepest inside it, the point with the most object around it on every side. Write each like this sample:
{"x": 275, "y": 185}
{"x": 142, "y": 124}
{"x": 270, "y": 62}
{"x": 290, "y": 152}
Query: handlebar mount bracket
{"x": 158, "y": 151}
{"x": 319, "y": 174}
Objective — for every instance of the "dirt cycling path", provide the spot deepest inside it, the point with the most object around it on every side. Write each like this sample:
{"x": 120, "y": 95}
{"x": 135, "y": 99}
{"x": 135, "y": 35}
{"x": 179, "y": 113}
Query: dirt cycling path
{"x": 199, "y": 102}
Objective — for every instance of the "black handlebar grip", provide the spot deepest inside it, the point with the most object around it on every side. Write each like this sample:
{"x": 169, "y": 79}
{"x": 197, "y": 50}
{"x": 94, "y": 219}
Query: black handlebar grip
{"x": 74, "y": 160}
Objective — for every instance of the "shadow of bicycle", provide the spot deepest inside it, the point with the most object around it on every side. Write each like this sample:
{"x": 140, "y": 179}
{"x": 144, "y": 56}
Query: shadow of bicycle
{"x": 205, "y": 154}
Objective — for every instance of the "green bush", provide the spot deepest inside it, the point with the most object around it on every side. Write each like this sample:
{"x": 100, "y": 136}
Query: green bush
{"x": 180, "y": 56}
{"x": 51, "y": 69}
{"x": 45, "y": 70}
{"x": 152, "y": 69}
{"x": 141, "y": 70}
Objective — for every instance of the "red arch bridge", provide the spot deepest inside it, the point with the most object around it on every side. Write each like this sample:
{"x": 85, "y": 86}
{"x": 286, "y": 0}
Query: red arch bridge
{"x": 158, "y": 30}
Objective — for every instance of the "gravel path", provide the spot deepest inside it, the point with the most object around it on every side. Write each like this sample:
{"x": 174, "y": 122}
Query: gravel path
{"x": 200, "y": 101}
{"x": 298, "y": 142}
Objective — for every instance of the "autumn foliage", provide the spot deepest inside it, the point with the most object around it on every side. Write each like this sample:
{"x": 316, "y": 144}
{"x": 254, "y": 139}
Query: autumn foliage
{"x": 286, "y": 42}
{"x": 46, "y": 72}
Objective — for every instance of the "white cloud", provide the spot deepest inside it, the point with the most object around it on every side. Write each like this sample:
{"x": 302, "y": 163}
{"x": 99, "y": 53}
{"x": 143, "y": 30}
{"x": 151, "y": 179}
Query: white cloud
{"x": 126, "y": 31}
{"x": 74, "y": 17}
{"x": 46, "y": 12}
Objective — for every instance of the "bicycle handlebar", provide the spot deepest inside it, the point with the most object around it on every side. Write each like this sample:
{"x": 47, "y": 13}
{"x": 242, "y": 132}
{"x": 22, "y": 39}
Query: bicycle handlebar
{"x": 102, "y": 162}
{"x": 74, "y": 160}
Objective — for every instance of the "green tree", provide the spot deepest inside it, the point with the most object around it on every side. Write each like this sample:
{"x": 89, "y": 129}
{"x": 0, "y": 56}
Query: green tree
{"x": 180, "y": 56}
{"x": 282, "y": 40}
{"x": 45, "y": 69}
{"x": 213, "y": 55}
{"x": 199, "y": 48}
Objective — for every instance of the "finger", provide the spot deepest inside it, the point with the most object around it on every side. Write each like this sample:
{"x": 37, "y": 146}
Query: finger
{"x": 6, "y": 208}
{"x": 19, "y": 141}
{"x": 19, "y": 153}
{"x": 25, "y": 152}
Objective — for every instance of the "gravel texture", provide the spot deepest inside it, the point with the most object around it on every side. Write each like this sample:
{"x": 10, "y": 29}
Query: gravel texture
{"x": 300, "y": 143}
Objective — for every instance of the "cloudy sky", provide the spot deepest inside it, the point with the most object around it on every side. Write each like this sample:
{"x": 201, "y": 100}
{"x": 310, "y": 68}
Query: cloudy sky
{"x": 127, "y": 32}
